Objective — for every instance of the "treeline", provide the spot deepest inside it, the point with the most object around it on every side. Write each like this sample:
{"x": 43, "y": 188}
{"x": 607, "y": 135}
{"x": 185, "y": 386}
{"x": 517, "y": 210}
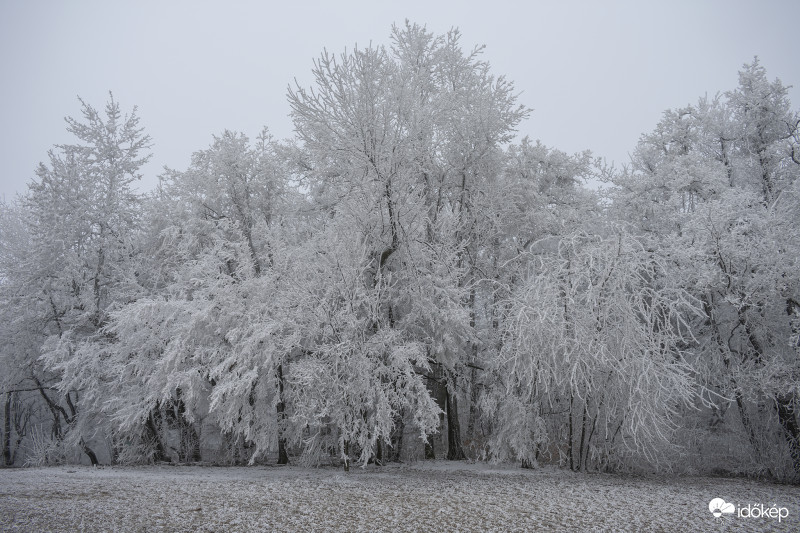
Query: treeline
{"x": 400, "y": 281}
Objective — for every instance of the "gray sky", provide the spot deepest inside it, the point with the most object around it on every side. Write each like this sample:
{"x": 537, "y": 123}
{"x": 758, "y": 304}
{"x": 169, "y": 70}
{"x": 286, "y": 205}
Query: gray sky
{"x": 597, "y": 74}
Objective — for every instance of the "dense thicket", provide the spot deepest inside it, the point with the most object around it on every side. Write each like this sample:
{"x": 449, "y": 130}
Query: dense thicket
{"x": 400, "y": 281}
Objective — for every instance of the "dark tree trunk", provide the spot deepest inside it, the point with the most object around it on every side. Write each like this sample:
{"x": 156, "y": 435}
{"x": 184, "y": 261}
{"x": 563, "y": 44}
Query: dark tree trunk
{"x": 584, "y": 444}
{"x": 151, "y": 430}
{"x": 591, "y": 432}
{"x": 473, "y": 405}
{"x": 346, "y": 456}
{"x": 56, "y": 410}
{"x": 571, "y": 451}
{"x": 788, "y": 419}
{"x": 7, "y": 431}
{"x": 473, "y": 376}
{"x": 283, "y": 457}
{"x": 193, "y": 453}
{"x": 438, "y": 393}
{"x": 89, "y": 453}
{"x": 397, "y": 438}
{"x": 59, "y": 412}
{"x": 189, "y": 445}
{"x": 755, "y": 355}
{"x": 430, "y": 451}
{"x": 747, "y": 423}
{"x": 455, "y": 451}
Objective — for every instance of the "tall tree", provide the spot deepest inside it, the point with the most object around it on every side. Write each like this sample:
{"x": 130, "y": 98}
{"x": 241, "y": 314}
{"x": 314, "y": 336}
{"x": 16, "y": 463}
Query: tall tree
{"x": 398, "y": 139}
{"x": 593, "y": 343}
{"x": 83, "y": 217}
{"x": 714, "y": 188}
{"x": 203, "y": 342}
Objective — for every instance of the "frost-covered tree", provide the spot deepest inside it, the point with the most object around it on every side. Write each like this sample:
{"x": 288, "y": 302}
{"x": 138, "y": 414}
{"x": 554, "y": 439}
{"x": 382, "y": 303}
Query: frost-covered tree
{"x": 535, "y": 196}
{"x": 82, "y": 217}
{"x": 399, "y": 141}
{"x": 339, "y": 293}
{"x": 592, "y": 359}
{"x": 205, "y": 344}
{"x": 714, "y": 189}
{"x": 19, "y": 334}
{"x": 765, "y": 129}
{"x": 358, "y": 373}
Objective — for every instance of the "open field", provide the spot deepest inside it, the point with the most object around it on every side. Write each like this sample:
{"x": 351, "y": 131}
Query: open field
{"x": 430, "y": 496}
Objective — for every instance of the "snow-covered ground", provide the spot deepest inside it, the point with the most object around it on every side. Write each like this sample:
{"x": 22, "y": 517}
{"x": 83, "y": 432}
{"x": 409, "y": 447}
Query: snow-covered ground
{"x": 426, "y": 496}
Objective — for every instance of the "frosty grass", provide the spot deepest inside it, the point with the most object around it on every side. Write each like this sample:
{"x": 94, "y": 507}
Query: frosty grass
{"x": 429, "y": 496}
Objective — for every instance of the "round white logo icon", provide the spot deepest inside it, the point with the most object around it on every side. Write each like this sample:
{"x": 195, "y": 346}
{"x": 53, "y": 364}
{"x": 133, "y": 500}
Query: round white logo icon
{"x": 718, "y": 507}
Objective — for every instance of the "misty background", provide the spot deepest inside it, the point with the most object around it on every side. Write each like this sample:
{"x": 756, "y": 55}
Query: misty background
{"x": 597, "y": 74}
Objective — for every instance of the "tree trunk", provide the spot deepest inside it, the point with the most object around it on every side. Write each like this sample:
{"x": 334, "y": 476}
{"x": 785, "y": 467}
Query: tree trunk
{"x": 473, "y": 377}
{"x": 189, "y": 446}
{"x": 584, "y": 444}
{"x": 570, "y": 449}
{"x": 88, "y": 451}
{"x": 7, "y": 431}
{"x": 455, "y": 451}
{"x": 193, "y": 453}
{"x": 788, "y": 420}
{"x": 473, "y": 404}
{"x": 430, "y": 451}
{"x": 56, "y": 410}
{"x": 346, "y": 455}
{"x": 96, "y": 286}
{"x": 154, "y": 437}
{"x": 283, "y": 457}
{"x": 397, "y": 438}
{"x": 437, "y": 392}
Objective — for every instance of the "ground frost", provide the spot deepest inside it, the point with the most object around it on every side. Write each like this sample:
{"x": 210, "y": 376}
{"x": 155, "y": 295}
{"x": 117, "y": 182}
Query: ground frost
{"x": 430, "y": 496}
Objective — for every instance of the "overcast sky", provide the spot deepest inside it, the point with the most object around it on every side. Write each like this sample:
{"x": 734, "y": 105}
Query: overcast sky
{"x": 597, "y": 74}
